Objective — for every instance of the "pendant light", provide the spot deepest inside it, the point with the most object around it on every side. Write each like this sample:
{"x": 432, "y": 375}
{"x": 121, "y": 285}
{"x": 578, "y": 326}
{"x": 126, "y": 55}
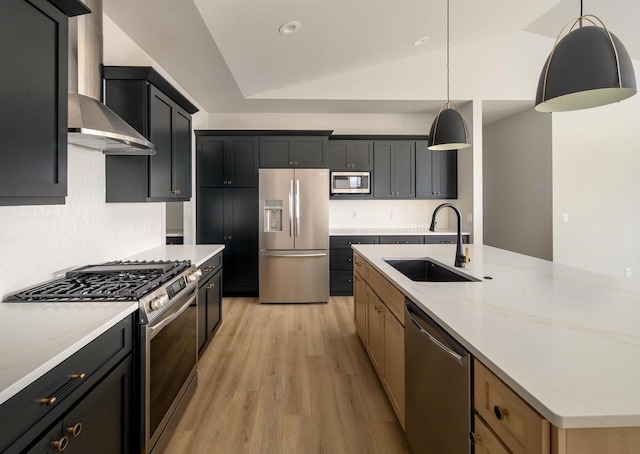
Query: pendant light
{"x": 449, "y": 130}
{"x": 587, "y": 68}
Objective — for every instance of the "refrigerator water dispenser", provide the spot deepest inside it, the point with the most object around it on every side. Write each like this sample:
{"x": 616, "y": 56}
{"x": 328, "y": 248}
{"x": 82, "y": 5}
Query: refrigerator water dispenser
{"x": 273, "y": 215}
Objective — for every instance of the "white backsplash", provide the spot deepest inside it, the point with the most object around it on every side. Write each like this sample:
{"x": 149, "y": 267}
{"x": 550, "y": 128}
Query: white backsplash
{"x": 38, "y": 242}
{"x": 384, "y": 214}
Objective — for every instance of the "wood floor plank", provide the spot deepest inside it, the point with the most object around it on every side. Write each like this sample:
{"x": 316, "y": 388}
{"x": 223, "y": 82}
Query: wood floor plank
{"x": 287, "y": 379}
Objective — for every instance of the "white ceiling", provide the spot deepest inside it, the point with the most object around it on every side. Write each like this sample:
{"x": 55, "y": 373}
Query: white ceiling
{"x": 223, "y": 52}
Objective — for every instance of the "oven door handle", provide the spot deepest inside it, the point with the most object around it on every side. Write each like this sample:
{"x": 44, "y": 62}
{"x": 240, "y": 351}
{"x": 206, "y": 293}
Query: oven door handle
{"x": 153, "y": 330}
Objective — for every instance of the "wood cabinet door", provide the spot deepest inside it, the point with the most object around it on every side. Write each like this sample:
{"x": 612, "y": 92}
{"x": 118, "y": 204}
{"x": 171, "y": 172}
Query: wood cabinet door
{"x": 375, "y": 330}
{"x": 360, "y": 306}
{"x": 393, "y": 376}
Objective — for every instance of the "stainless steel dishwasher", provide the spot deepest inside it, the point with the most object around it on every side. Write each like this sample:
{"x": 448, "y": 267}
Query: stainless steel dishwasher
{"x": 438, "y": 387}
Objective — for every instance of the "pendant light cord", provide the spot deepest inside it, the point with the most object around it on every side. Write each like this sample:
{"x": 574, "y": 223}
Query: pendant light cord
{"x": 448, "y": 52}
{"x": 581, "y": 14}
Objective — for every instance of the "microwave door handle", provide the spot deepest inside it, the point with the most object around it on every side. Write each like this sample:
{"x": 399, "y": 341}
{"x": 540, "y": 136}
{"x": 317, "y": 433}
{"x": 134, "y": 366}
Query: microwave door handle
{"x": 297, "y": 207}
{"x": 291, "y": 208}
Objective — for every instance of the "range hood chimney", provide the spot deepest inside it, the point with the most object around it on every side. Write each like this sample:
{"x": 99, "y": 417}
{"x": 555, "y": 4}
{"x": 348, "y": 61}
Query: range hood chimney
{"x": 92, "y": 124}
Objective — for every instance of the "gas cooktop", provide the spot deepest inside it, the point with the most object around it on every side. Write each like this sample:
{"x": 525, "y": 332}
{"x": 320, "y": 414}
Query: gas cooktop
{"x": 112, "y": 281}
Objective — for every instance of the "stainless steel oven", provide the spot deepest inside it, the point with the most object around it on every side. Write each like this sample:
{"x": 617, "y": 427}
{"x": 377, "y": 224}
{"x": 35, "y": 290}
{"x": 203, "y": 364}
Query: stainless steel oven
{"x": 351, "y": 183}
{"x": 169, "y": 359}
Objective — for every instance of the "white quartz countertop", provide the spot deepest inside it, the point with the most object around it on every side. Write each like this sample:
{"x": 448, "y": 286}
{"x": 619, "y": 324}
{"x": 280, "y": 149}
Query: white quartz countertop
{"x": 391, "y": 231}
{"x": 566, "y": 340}
{"x": 36, "y": 337}
{"x": 197, "y": 253}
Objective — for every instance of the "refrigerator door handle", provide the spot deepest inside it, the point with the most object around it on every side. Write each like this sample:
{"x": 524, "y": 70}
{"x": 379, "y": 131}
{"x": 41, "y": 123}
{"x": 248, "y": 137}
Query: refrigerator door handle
{"x": 291, "y": 208}
{"x": 320, "y": 254}
{"x": 297, "y": 207}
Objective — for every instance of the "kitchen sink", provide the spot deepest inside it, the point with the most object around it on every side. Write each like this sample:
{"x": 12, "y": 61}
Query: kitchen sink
{"x": 427, "y": 270}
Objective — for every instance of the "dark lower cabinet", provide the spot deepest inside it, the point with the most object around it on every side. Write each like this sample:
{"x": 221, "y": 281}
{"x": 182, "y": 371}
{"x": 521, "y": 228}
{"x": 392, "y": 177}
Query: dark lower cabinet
{"x": 230, "y": 217}
{"x": 33, "y": 111}
{"x": 341, "y": 262}
{"x": 94, "y": 410}
{"x": 209, "y": 301}
{"x": 100, "y": 423}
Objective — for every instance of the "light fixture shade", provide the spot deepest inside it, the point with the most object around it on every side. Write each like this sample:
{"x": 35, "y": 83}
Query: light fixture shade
{"x": 448, "y": 131}
{"x": 586, "y": 69}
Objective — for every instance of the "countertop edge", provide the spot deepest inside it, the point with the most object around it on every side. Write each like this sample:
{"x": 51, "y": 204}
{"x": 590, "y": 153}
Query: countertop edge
{"x": 79, "y": 344}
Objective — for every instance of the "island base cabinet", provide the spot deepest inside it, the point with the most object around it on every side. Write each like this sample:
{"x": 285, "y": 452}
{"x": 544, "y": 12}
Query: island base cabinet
{"x": 485, "y": 441}
{"x": 383, "y": 337}
{"x": 609, "y": 440}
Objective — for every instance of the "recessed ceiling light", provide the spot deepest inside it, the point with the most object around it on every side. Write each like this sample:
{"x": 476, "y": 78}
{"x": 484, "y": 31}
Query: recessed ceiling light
{"x": 420, "y": 41}
{"x": 289, "y": 27}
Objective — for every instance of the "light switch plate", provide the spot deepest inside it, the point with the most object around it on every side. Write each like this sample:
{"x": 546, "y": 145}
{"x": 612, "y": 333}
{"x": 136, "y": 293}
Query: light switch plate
{"x": 565, "y": 217}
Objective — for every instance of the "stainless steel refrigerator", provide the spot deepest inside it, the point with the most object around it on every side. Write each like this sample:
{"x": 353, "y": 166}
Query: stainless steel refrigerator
{"x": 294, "y": 235}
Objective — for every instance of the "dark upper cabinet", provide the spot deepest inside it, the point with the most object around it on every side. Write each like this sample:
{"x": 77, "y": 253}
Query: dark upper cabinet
{"x": 294, "y": 151}
{"x": 33, "y": 111}
{"x": 394, "y": 169}
{"x": 227, "y": 162}
{"x": 159, "y": 112}
{"x": 350, "y": 155}
{"x": 436, "y": 173}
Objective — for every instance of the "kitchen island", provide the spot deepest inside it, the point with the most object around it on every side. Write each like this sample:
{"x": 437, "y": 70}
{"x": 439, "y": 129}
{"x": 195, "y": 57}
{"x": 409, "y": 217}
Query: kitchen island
{"x": 567, "y": 341}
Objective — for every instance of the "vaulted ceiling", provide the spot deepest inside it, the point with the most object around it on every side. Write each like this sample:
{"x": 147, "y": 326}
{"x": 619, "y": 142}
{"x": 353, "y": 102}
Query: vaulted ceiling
{"x": 228, "y": 53}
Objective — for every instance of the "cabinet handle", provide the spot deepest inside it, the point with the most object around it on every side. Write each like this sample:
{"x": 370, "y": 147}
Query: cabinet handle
{"x": 358, "y": 263}
{"x": 356, "y": 277}
{"x": 475, "y": 439}
{"x": 349, "y": 280}
{"x": 229, "y": 182}
{"x": 75, "y": 430}
{"x": 229, "y": 237}
{"x": 224, "y": 237}
{"x": 290, "y": 163}
{"x": 209, "y": 268}
{"x": 176, "y": 191}
{"x": 53, "y": 399}
{"x": 349, "y": 260}
{"x": 500, "y": 412}
{"x": 211, "y": 286}
{"x": 61, "y": 444}
{"x": 225, "y": 182}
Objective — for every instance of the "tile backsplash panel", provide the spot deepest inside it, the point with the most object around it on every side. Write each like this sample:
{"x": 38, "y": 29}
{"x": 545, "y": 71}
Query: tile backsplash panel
{"x": 383, "y": 214}
{"x": 39, "y": 242}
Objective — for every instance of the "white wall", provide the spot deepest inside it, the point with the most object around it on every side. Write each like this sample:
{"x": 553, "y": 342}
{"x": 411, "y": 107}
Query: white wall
{"x": 518, "y": 184}
{"x": 596, "y": 159}
{"x": 38, "y": 241}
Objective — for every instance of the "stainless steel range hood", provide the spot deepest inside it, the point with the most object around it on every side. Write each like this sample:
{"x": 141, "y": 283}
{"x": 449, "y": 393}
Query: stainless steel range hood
{"x": 92, "y": 124}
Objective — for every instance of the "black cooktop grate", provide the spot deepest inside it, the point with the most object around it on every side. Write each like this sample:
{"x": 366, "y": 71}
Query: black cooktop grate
{"x": 113, "y": 281}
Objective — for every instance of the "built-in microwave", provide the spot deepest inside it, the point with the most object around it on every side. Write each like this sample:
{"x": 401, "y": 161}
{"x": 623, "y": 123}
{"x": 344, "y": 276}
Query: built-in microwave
{"x": 350, "y": 182}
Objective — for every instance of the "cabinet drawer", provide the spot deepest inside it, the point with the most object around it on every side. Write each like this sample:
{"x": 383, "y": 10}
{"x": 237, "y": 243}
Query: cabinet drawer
{"x": 359, "y": 264}
{"x": 406, "y": 239}
{"x": 518, "y": 425}
{"x": 486, "y": 441}
{"x": 29, "y": 407}
{"x": 345, "y": 242}
{"x": 392, "y": 297}
{"x": 210, "y": 267}
{"x": 342, "y": 259}
{"x": 444, "y": 239}
{"x": 342, "y": 282}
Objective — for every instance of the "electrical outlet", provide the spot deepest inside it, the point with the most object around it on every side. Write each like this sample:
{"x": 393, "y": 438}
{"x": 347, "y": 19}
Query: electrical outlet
{"x": 393, "y": 215}
{"x": 627, "y": 272}
{"x": 356, "y": 215}
{"x": 565, "y": 217}
{"x": 469, "y": 217}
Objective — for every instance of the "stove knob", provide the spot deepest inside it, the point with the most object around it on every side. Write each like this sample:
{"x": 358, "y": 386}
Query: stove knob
{"x": 163, "y": 300}
{"x": 195, "y": 275}
{"x": 154, "y": 305}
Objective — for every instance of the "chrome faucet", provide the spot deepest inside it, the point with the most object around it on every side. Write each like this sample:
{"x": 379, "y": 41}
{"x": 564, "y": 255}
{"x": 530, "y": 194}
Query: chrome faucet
{"x": 460, "y": 257}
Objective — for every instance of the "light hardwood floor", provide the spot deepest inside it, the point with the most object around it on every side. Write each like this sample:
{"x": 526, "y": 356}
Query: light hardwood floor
{"x": 288, "y": 379}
